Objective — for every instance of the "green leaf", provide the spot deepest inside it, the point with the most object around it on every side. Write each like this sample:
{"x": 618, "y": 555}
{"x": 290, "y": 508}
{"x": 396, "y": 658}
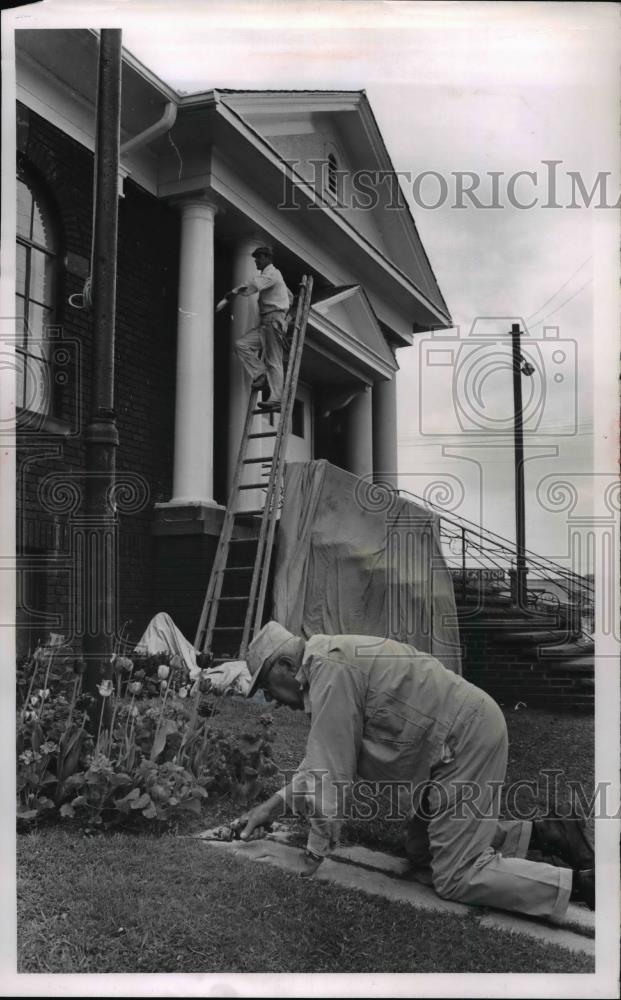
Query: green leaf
{"x": 120, "y": 780}
{"x": 28, "y": 814}
{"x": 130, "y": 797}
{"x": 76, "y": 780}
{"x": 159, "y": 741}
{"x": 142, "y": 802}
{"x": 150, "y": 812}
{"x": 69, "y": 752}
{"x": 67, "y": 811}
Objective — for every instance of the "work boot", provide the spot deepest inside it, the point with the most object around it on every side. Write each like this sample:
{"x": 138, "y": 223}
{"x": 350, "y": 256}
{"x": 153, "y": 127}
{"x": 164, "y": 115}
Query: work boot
{"x": 260, "y": 382}
{"x": 583, "y": 887}
{"x": 565, "y": 838}
{"x": 269, "y": 406}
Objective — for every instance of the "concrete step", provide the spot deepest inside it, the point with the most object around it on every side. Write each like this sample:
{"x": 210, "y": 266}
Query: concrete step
{"x": 536, "y": 637}
{"x": 568, "y": 650}
{"x": 572, "y": 664}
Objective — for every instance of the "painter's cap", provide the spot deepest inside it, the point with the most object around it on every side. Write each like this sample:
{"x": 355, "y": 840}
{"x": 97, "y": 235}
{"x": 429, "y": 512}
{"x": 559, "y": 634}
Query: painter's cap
{"x": 272, "y": 638}
{"x": 265, "y": 250}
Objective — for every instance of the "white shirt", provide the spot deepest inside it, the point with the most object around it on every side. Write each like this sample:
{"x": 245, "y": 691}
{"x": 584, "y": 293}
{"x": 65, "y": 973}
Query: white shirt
{"x": 273, "y": 293}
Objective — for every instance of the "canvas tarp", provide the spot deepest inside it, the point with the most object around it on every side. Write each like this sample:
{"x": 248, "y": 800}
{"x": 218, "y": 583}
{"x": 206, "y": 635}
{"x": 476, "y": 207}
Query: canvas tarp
{"x": 353, "y": 558}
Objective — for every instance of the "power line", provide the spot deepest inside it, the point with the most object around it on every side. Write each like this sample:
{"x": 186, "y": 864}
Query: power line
{"x": 558, "y": 308}
{"x": 564, "y": 285}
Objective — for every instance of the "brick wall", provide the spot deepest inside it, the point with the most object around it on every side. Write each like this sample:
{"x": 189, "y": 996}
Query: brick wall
{"x": 511, "y": 676}
{"x": 145, "y": 381}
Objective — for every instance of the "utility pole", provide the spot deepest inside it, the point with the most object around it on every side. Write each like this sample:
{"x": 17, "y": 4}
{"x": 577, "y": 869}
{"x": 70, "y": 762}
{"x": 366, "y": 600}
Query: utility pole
{"x": 520, "y": 367}
{"x": 98, "y": 579}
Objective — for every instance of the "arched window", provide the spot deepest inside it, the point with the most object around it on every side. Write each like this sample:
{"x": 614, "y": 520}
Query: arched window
{"x": 333, "y": 174}
{"x": 35, "y": 284}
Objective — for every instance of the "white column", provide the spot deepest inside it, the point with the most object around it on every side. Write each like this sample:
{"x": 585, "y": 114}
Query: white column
{"x": 385, "y": 432}
{"x": 244, "y": 315}
{"x": 360, "y": 434}
{"x": 193, "y": 462}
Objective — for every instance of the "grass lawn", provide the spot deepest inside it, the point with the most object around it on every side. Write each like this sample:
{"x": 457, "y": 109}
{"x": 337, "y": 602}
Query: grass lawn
{"x": 161, "y": 904}
{"x": 148, "y": 903}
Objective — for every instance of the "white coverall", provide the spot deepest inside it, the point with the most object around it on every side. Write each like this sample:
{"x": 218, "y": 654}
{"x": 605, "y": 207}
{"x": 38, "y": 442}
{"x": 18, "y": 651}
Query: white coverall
{"x": 384, "y": 712}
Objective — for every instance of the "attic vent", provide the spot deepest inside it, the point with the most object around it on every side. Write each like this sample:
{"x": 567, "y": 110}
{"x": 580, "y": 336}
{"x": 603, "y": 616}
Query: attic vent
{"x": 333, "y": 172}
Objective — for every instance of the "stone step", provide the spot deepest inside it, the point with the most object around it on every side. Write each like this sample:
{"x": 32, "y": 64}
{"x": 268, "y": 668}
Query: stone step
{"x": 570, "y": 650}
{"x": 535, "y": 637}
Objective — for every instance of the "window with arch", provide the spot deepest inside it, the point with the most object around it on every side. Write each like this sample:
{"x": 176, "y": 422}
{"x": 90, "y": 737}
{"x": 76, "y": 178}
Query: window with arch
{"x": 35, "y": 293}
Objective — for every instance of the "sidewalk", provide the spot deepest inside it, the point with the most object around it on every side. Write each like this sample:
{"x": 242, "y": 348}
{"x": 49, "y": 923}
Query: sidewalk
{"x": 385, "y": 875}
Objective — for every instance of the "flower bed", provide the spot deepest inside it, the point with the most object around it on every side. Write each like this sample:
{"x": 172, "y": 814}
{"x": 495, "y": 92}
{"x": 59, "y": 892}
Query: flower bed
{"x": 145, "y": 749}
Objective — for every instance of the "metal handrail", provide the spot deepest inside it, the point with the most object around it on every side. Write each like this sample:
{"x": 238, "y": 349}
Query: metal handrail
{"x": 491, "y": 550}
{"x": 505, "y": 543}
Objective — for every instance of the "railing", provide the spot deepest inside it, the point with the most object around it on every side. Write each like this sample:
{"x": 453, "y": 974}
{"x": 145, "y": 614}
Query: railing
{"x": 474, "y": 554}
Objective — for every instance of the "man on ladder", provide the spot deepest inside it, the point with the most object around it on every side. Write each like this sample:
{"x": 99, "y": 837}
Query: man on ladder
{"x": 260, "y": 350}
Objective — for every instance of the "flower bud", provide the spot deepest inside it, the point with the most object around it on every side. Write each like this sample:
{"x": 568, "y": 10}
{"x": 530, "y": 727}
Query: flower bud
{"x": 163, "y": 671}
{"x": 105, "y": 688}
{"x": 135, "y": 687}
{"x": 183, "y": 692}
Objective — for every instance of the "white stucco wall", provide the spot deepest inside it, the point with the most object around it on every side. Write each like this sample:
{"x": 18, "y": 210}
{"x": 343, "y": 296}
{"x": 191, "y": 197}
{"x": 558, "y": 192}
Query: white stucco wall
{"x": 317, "y": 146}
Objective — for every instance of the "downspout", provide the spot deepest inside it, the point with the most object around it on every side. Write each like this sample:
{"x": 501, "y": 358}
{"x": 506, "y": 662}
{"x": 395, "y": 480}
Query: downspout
{"x": 164, "y": 124}
{"x": 98, "y": 585}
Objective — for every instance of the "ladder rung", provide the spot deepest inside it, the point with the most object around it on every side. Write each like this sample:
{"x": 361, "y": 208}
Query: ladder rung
{"x": 264, "y": 518}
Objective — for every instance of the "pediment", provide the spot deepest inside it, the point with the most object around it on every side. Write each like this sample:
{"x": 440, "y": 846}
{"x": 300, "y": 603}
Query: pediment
{"x": 344, "y": 319}
{"x": 303, "y": 127}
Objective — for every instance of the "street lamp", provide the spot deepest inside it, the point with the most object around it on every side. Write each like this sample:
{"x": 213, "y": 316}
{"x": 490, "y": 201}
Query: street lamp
{"x": 520, "y": 367}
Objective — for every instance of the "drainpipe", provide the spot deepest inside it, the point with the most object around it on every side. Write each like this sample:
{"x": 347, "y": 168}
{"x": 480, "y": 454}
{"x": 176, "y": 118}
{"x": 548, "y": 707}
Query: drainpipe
{"x": 99, "y": 579}
{"x": 164, "y": 124}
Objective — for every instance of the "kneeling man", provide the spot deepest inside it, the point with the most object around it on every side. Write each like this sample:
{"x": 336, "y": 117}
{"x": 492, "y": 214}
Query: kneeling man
{"x": 384, "y": 712}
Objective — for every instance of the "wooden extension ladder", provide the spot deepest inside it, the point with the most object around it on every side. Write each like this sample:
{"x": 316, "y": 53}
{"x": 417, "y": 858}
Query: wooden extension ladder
{"x": 255, "y": 601}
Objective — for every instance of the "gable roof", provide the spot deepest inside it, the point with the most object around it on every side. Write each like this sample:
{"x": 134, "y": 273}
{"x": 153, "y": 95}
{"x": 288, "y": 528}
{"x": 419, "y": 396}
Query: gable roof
{"x": 357, "y": 126}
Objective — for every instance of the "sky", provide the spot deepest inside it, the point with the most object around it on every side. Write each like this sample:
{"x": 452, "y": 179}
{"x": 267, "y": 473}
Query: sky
{"x": 456, "y": 87}
{"x": 479, "y": 87}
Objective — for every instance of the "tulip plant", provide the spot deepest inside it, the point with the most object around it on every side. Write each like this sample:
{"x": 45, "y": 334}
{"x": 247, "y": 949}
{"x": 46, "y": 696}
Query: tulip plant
{"x": 145, "y": 749}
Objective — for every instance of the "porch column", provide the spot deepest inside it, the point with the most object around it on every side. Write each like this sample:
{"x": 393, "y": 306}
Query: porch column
{"x": 360, "y": 434}
{"x": 244, "y": 315}
{"x": 193, "y": 461}
{"x": 385, "y": 466}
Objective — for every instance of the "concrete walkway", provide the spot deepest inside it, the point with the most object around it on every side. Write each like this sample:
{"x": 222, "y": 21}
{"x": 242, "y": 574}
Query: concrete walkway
{"x": 384, "y": 875}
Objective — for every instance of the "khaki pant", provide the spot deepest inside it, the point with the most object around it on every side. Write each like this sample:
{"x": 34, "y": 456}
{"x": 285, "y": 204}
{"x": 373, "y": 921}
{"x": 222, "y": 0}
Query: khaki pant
{"x": 475, "y": 857}
{"x": 260, "y": 351}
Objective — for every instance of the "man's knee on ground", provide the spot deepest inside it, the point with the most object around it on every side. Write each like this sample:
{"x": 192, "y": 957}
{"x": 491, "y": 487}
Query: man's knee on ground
{"x": 455, "y": 883}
